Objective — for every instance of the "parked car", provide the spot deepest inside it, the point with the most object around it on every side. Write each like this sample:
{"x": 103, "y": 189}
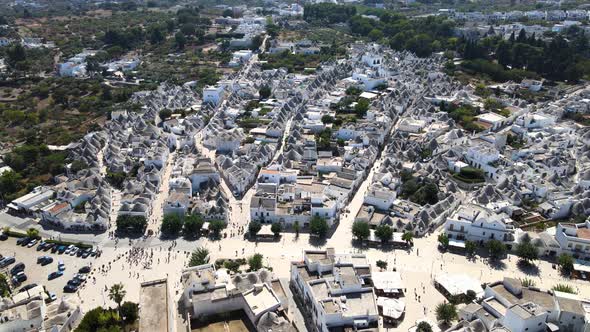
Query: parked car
{"x": 31, "y": 243}
{"x": 74, "y": 282}
{"x": 70, "y": 289}
{"x": 23, "y": 241}
{"x": 41, "y": 246}
{"x": 7, "y": 261}
{"x": 3, "y": 237}
{"x": 55, "y": 274}
{"x": 93, "y": 252}
{"x": 48, "y": 246}
{"x": 19, "y": 278}
{"x": 69, "y": 249}
{"x": 27, "y": 287}
{"x": 85, "y": 269}
{"x": 80, "y": 277}
{"x": 51, "y": 296}
{"x": 44, "y": 260}
{"x": 86, "y": 253}
{"x": 74, "y": 251}
{"x": 17, "y": 268}
{"x": 61, "y": 249}
{"x": 61, "y": 266}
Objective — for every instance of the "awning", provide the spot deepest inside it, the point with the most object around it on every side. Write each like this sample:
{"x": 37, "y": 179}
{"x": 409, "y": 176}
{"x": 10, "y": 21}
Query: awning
{"x": 456, "y": 243}
{"x": 582, "y": 266}
{"x": 12, "y": 206}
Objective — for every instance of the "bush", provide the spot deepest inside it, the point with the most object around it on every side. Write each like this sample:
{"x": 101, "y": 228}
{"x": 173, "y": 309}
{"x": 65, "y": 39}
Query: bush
{"x": 564, "y": 289}
{"x": 255, "y": 262}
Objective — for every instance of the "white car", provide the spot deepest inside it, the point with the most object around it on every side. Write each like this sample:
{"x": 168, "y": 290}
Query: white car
{"x": 68, "y": 249}
{"x": 32, "y": 243}
{"x": 73, "y": 251}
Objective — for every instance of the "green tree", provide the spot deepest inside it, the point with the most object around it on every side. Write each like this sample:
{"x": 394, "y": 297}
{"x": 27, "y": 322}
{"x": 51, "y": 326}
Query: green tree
{"x": 446, "y": 312}
{"x": 264, "y": 92}
{"x": 384, "y": 233}
{"x": 164, "y": 114}
{"x": 423, "y": 327}
{"x": 566, "y": 264}
{"x": 33, "y": 233}
{"x": 296, "y": 227}
{"x": 361, "y": 230}
{"x": 199, "y": 257}
{"x": 129, "y": 312}
{"x": 327, "y": 119}
{"x": 361, "y": 107}
{"x": 276, "y": 228}
{"x": 192, "y": 225}
{"x": 318, "y": 226}
{"x": 254, "y": 227}
{"x": 408, "y": 237}
{"x": 16, "y": 53}
{"x": 4, "y": 286}
{"x": 216, "y": 226}
{"x": 117, "y": 294}
{"x": 255, "y": 262}
{"x": 180, "y": 40}
{"x": 171, "y": 224}
{"x": 382, "y": 264}
{"x": 526, "y": 251}
{"x": 496, "y": 249}
{"x": 443, "y": 239}
{"x": 470, "y": 247}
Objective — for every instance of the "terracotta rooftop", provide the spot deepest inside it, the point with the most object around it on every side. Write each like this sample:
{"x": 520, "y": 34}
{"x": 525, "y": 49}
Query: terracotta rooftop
{"x": 583, "y": 233}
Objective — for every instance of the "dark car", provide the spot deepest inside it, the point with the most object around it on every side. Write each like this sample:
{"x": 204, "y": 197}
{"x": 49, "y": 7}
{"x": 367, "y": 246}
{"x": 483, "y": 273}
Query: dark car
{"x": 7, "y": 261}
{"x": 23, "y": 241}
{"x": 27, "y": 287}
{"x": 61, "y": 249}
{"x": 86, "y": 253}
{"x": 41, "y": 246}
{"x": 17, "y": 268}
{"x": 3, "y": 237}
{"x": 70, "y": 289}
{"x": 44, "y": 260}
{"x": 55, "y": 274}
{"x": 74, "y": 282}
{"x": 80, "y": 252}
{"x": 84, "y": 269}
{"x": 19, "y": 277}
{"x": 54, "y": 249}
{"x": 48, "y": 246}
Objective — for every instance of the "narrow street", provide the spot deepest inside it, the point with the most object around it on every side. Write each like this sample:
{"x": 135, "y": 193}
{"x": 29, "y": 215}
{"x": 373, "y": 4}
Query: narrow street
{"x": 157, "y": 212}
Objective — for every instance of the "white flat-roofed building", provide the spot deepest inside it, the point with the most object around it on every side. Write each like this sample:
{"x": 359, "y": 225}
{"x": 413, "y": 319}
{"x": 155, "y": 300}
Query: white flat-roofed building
{"x": 574, "y": 238}
{"x": 332, "y": 288}
{"x": 477, "y": 223}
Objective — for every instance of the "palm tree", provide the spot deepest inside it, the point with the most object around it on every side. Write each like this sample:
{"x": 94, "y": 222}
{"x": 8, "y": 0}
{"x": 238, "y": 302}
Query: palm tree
{"x": 117, "y": 294}
{"x": 408, "y": 236}
{"x": 446, "y": 312}
{"x": 199, "y": 257}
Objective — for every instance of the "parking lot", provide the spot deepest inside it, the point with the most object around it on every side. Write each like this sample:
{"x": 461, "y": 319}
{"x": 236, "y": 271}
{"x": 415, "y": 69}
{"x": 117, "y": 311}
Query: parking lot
{"x": 38, "y": 274}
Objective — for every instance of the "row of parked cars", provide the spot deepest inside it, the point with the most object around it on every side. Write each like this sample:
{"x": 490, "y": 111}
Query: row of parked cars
{"x": 71, "y": 249}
